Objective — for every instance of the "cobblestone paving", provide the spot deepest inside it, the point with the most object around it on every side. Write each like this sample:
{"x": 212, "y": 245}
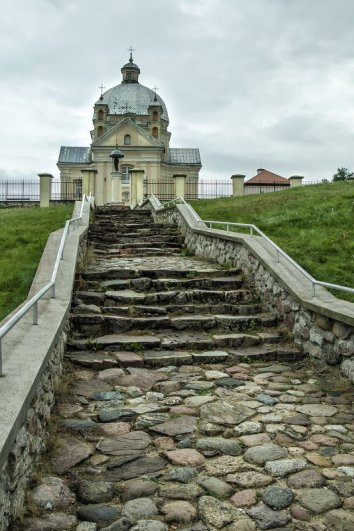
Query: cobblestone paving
{"x": 238, "y": 432}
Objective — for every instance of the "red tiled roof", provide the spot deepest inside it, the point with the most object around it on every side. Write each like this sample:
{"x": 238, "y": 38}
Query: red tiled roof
{"x": 267, "y": 177}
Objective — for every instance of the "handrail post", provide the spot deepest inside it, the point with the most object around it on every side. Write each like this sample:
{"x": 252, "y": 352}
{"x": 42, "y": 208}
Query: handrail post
{"x": 53, "y": 291}
{"x": 313, "y": 289}
{"x": 35, "y": 313}
{"x": 278, "y": 257}
{"x": 227, "y": 227}
{"x": 1, "y": 374}
{"x": 251, "y": 231}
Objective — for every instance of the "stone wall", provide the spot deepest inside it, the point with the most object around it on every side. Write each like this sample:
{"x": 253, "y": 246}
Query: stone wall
{"x": 30, "y": 440}
{"x": 32, "y": 367}
{"x": 324, "y": 330}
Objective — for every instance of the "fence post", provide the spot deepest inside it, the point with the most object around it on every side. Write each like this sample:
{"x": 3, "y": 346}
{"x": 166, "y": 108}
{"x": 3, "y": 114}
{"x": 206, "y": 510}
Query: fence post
{"x": 45, "y": 188}
{"x": 88, "y": 181}
{"x": 180, "y": 184}
{"x": 116, "y": 181}
{"x": 237, "y": 184}
{"x": 137, "y": 186}
{"x": 295, "y": 180}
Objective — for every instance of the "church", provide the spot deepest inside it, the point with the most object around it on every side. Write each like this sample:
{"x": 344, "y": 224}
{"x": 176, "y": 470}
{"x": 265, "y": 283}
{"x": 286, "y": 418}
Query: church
{"x": 133, "y": 120}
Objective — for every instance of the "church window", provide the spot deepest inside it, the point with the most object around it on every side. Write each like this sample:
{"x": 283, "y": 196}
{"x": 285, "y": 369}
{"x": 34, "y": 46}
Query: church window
{"x": 155, "y": 132}
{"x": 100, "y": 115}
{"x": 155, "y": 116}
{"x": 127, "y": 140}
{"x": 99, "y": 130}
{"x": 126, "y": 174}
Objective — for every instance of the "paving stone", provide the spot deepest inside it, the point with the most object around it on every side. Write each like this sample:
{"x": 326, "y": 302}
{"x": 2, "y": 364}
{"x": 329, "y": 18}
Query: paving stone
{"x": 305, "y": 479}
{"x": 51, "y": 522}
{"x": 69, "y": 452}
{"x": 266, "y": 518}
{"x": 216, "y": 487}
{"x": 137, "y": 467}
{"x": 244, "y": 498}
{"x": 179, "y": 426}
{"x": 138, "y": 488}
{"x": 224, "y": 446}
{"x": 128, "y": 444}
{"x": 112, "y": 429}
{"x": 180, "y": 512}
{"x": 97, "y": 513}
{"x": 248, "y": 427}
{"x": 299, "y": 513}
{"x": 343, "y": 459}
{"x": 259, "y": 455}
{"x": 319, "y": 500}
{"x": 179, "y": 491}
{"x": 110, "y": 375}
{"x": 338, "y": 519}
{"x": 52, "y": 493}
{"x": 266, "y": 399}
{"x": 139, "y": 508}
{"x": 185, "y": 457}
{"x": 94, "y": 492}
{"x": 277, "y": 497}
{"x": 183, "y": 474}
{"x": 149, "y": 525}
{"x": 258, "y": 439}
{"x": 249, "y": 479}
{"x": 317, "y": 410}
{"x": 198, "y": 401}
{"x": 224, "y": 413}
{"x": 216, "y": 513}
{"x": 283, "y": 467}
{"x": 80, "y": 425}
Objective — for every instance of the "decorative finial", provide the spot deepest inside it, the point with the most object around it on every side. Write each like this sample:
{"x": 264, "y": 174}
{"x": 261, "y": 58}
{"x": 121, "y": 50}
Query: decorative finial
{"x": 131, "y": 50}
{"x": 155, "y": 88}
{"x": 101, "y": 87}
{"x": 125, "y": 107}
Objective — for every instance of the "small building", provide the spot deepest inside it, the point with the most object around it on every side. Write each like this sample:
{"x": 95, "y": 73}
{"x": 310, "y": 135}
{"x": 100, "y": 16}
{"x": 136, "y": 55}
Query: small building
{"x": 134, "y": 119}
{"x": 264, "y": 182}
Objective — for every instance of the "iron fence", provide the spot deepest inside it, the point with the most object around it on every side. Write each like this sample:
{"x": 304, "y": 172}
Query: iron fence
{"x": 164, "y": 190}
{"x": 207, "y": 189}
{"x": 26, "y": 190}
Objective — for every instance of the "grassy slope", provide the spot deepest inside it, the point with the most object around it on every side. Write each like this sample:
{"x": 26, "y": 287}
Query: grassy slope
{"x": 23, "y": 235}
{"x": 313, "y": 224}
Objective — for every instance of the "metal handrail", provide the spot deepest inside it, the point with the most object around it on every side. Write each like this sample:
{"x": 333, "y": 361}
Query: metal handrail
{"x": 33, "y": 302}
{"x": 255, "y": 229}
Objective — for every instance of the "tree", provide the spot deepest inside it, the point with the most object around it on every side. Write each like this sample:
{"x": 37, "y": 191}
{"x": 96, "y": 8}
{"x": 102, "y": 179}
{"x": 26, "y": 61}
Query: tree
{"x": 342, "y": 174}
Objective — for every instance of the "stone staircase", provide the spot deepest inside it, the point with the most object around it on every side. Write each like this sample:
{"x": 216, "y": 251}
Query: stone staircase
{"x": 183, "y": 404}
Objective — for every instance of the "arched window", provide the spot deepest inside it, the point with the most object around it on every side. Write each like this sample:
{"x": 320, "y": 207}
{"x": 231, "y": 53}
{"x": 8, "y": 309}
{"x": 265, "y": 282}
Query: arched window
{"x": 100, "y": 115}
{"x": 99, "y": 130}
{"x": 127, "y": 140}
{"x": 155, "y": 132}
{"x": 155, "y": 116}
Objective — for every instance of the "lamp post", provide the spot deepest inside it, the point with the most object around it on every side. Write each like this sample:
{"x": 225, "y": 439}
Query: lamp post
{"x": 116, "y": 190}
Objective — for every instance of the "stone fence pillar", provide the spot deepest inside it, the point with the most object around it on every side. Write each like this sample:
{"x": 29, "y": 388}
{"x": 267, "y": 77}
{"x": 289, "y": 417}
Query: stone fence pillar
{"x": 45, "y": 189}
{"x": 180, "y": 184}
{"x": 116, "y": 195}
{"x": 237, "y": 184}
{"x": 88, "y": 181}
{"x": 295, "y": 180}
{"x": 136, "y": 186}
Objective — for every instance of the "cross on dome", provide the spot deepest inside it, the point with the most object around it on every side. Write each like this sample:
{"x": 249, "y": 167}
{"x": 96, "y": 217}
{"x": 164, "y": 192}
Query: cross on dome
{"x": 131, "y": 50}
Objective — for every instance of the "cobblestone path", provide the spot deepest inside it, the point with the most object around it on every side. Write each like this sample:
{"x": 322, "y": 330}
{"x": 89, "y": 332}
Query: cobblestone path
{"x": 183, "y": 406}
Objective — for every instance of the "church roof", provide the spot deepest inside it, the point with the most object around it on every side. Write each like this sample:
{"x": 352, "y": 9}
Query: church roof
{"x": 267, "y": 177}
{"x": 131, "y": 97}
{"x": 75, "y": 155}
{"x": 184, "y": 156}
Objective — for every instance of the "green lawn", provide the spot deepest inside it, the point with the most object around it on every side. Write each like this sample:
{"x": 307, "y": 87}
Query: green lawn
{"x": 23, "y": 235}
{"x": 313, "y": 224}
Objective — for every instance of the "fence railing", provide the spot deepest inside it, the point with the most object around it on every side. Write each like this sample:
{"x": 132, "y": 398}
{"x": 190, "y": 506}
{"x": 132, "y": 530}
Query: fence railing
{"x": 25, "y": 190}
{"x": 207, "y": 189}
{"x": 163, "y": 189}
{"x": 253, "y": 229}
{"x": 32, "y": 304}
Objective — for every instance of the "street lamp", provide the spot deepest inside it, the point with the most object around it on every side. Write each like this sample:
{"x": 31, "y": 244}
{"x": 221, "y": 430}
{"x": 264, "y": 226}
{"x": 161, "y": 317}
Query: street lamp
{"x": 116, "y": 156}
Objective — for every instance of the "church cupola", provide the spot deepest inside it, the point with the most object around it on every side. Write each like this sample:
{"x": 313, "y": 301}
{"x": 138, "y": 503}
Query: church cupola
{"x": 130, "y": 71}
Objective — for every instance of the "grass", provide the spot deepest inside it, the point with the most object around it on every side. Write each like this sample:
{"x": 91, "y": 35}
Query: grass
{"x": 313, "y": 224}
{"x": 23, "y": 236}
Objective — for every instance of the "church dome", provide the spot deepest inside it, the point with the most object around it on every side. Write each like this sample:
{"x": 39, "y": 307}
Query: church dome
{"x": 130, "y": 95}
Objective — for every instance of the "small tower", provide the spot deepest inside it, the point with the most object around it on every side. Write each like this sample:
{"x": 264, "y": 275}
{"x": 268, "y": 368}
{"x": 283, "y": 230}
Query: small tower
{"x": 130, "y": 71}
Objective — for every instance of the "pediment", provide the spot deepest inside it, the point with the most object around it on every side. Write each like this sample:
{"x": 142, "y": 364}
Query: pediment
{"x": 115, "y": 136}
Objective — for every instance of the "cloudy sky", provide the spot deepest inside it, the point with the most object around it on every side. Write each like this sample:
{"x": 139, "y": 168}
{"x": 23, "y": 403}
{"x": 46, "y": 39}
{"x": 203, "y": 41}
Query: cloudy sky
{"x": 256, "y": 83}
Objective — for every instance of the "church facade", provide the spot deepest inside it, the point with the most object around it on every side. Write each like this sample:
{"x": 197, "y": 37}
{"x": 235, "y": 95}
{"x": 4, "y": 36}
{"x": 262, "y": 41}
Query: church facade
{"x": 134, "y": 119}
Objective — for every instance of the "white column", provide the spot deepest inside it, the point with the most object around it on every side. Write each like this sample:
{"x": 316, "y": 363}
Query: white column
{"x": 116, "y": 195}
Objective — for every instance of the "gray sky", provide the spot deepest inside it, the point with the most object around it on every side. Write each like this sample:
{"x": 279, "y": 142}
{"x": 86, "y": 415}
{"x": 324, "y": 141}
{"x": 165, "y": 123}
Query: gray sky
{"x": 256, "y": 83}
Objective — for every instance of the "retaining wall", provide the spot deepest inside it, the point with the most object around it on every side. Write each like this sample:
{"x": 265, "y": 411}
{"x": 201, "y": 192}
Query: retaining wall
{"x": 322, "y": 325}
{"x": 32, "y": 364}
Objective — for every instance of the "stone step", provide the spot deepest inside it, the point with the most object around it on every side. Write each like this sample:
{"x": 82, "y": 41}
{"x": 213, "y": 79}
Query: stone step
{"x": 145, "y": 251}
{"x": 134, "y": 238}
{"x": 118, "y": 273}
{"x": 174, "y": 310}
{"x": 88, "y": 324}
{"x": 166, "y": 284}
{"x": 151, "y": 243}
{"x": 137, "y": 342}
{"x": 178, "y": 297}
